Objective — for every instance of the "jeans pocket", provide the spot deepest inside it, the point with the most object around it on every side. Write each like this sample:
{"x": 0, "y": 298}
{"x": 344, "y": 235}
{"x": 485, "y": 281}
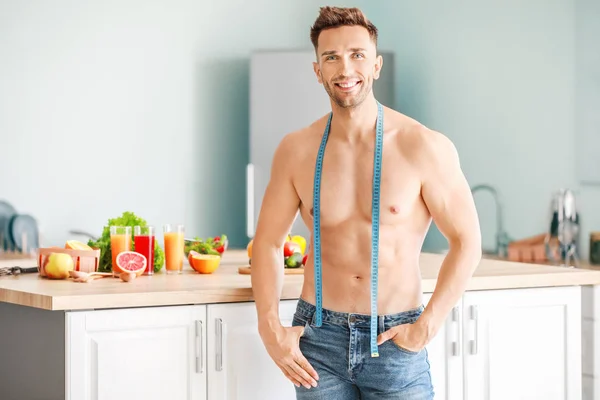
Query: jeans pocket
{"x": 405, "y": 351}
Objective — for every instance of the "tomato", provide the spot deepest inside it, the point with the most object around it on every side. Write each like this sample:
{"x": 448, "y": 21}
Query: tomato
{"x": 223, "y": 246}
{"x": 304, "y": 259}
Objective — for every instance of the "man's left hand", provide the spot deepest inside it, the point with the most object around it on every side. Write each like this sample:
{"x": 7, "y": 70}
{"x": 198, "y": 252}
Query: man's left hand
{"x": 412, "y": 337}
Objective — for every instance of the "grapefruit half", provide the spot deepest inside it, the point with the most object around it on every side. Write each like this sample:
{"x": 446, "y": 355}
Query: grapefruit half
{"x": 131, "y": 261}
{"x": 76, "y": 245}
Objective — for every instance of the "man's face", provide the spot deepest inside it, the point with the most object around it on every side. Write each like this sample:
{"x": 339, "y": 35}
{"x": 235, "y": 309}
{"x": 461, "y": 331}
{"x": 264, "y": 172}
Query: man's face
{"x": 347, "y": 64}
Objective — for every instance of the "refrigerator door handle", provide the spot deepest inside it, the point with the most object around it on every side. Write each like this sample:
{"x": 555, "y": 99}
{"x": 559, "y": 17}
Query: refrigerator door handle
{"x": 250, "y": 200}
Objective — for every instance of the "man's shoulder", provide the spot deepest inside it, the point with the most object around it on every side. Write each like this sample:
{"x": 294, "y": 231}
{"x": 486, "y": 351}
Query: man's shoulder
{"x": 296, "y": 145}
{"x": 303, "y": 137}
{"x": 418, "y": 140}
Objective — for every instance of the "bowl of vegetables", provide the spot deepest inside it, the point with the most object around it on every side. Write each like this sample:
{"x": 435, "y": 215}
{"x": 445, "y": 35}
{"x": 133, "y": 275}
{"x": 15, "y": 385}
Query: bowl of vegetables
{"x": 212, "y": 245}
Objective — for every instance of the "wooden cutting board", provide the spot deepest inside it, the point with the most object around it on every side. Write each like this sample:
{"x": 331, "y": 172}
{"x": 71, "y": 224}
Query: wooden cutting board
{"x": 288, "y": 271}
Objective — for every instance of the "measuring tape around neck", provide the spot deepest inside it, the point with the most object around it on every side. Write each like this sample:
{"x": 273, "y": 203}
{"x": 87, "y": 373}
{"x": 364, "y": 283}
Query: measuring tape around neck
{"x": 374, "y": 222}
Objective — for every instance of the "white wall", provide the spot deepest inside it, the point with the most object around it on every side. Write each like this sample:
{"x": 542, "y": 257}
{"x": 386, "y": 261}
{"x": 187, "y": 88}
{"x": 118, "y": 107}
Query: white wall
{"x": 500, "y": 80}
{"x": 138, "y": 105}
{"x": 159, "y": 91}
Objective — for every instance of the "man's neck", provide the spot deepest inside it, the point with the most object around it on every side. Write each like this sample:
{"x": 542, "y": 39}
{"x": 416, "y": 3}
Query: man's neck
{"x": 356, "y": 123}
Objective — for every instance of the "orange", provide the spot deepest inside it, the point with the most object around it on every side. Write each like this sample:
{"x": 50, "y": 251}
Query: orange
{"x": 191, "y": 254}
{"x": 205, "y": 263}
{"x": 249, "y": 248}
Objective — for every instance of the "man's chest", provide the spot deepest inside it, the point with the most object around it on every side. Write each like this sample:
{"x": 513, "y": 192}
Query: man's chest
{"x": 346, "y": 186}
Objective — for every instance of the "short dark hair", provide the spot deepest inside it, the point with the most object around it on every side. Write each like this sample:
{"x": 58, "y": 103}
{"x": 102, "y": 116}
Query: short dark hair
{"x": 333, "y": 17}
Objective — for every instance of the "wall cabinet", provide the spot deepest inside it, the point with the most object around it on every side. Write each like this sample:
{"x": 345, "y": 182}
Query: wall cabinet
{"x": 504, "y": 344}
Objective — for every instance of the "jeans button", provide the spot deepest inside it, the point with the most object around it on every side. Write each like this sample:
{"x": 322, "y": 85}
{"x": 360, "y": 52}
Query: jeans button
{"x": 352, "y": 319}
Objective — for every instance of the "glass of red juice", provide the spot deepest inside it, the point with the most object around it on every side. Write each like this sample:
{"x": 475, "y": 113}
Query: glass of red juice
{"x": 144, "y": 239}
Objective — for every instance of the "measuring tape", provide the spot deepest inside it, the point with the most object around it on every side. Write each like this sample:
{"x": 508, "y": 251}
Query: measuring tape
{"x": 374, "y": 222}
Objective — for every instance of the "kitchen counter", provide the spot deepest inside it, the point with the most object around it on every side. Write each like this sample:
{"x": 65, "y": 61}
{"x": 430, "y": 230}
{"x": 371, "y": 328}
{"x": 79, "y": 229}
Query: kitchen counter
{"x": 205, "y": 329}
{"x": 227, "y": 286}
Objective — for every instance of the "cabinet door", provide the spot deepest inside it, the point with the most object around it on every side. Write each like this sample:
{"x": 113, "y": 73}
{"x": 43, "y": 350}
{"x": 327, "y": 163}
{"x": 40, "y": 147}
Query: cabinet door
{"x": 445, "y": 356}
{"x": 142, "y": 353}
{"x": 523, "y": 344}
{"x": 239, "y": 367}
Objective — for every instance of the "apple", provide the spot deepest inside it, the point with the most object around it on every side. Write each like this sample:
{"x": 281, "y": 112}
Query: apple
{"x": 58, "y": 265}
{"x": 290, "y": 248}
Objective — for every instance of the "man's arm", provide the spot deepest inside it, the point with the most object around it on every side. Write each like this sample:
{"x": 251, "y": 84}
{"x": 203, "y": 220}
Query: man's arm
{"x": 278, "y": 210}
{"x": 448, "y": 197}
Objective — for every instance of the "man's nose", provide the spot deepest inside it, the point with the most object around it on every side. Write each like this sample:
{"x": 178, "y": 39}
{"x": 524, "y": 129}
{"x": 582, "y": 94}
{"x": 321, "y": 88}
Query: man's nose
{"x": 345, "y": 67}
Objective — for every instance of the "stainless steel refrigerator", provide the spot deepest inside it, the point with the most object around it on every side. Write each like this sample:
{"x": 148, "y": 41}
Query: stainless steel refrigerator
{"x": 285, "y": 96}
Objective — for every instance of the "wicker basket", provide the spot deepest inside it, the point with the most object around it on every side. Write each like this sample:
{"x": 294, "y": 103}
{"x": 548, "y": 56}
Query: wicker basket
{"x": 84, "y": 260}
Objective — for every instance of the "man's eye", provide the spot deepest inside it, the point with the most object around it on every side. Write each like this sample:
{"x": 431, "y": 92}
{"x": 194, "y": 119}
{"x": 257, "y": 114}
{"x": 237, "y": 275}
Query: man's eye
{"x": 360, "y": 55}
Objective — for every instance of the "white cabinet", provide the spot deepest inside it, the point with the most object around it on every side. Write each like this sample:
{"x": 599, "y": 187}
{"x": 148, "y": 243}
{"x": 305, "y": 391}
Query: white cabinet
{"x": 445, "y": 356}
{"x": 510, "y": 344}
{"x": 239, "y": 367}
{"x": 495, "y": 345}
{"x": 143, "y": 353}
{"x": 523, "y": 344}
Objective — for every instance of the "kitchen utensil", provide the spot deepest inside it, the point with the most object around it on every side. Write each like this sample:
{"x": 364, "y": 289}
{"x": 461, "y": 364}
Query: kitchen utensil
{"x": 80, "y": 276}
{"x": 17, "y": 270}
{"x": 83, "y": 233}
{"x": 565, "y": 227}
{"x": 594, "y": 248}
{"x": 24, "y": 233}
{"x": 6, "y": 213}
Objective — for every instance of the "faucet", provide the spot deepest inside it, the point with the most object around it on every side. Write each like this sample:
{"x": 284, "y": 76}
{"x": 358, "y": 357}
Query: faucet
{"x": 502, "y": 238}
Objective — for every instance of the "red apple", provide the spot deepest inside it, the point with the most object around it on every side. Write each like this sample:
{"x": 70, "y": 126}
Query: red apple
{"x": 290, "y": 248}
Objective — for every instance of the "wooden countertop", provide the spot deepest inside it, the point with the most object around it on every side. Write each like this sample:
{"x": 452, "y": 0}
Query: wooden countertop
{"x": 226, "y": 285}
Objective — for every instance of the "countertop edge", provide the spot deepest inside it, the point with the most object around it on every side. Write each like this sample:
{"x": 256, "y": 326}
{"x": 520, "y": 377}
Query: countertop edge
{"x": 290, "y": 291}
{"x": 40, "y": 301}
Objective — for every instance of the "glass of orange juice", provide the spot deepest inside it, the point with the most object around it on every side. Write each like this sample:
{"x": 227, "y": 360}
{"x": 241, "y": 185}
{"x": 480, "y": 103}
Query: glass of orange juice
{"x": 174, "y": 248}
{"x": 120, "y": 240}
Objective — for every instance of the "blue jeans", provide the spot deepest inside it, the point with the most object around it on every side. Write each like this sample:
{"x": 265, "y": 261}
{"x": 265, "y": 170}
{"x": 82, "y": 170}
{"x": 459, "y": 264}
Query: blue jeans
{"x": 339, "y": 351}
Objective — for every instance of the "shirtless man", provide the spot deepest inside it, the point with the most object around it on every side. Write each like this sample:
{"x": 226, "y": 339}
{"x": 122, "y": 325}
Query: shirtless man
{"x": 421, "y": 180}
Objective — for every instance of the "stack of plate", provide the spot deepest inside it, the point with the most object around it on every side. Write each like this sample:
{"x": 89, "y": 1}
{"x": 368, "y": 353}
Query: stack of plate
{"x": 18, "y": 232}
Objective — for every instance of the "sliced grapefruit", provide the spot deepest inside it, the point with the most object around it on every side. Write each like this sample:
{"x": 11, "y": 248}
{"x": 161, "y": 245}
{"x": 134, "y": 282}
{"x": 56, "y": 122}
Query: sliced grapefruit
{"x": 76, "y": 245}
{"x": 205, "y": 263}
{"x": 131, "y": 261}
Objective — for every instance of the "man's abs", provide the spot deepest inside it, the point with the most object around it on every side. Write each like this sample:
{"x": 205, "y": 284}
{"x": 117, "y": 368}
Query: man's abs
{"x": 346, "y": 271}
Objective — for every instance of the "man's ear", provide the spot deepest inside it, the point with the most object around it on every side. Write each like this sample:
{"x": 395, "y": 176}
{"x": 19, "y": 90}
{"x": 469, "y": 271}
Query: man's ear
{"x": 317, "y": 70}
{"x": 377, "y": 67}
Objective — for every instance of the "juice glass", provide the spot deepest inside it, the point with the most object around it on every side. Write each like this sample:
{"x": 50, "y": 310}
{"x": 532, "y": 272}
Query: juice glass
{"x": 120, "y": 240}
{"x": 144, "y": 240}
{"x": 174, "y": 248}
